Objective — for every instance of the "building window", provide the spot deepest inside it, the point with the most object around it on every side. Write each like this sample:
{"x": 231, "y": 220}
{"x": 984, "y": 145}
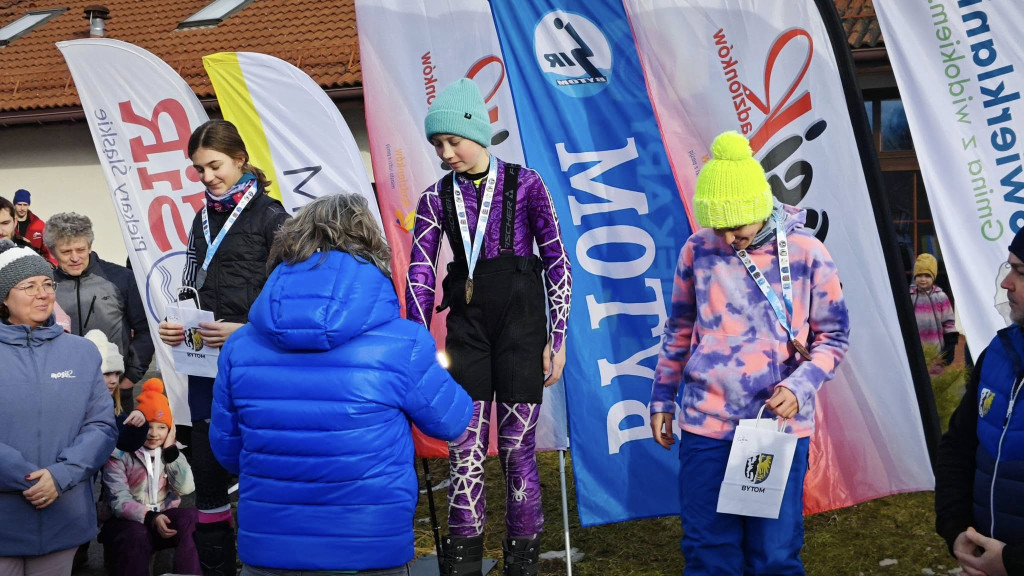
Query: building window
{"x": 26, "y": 24}
{"x": 214, "y": 13}
{"x": 895, "y": 130}
{"x": 904, "y": 187}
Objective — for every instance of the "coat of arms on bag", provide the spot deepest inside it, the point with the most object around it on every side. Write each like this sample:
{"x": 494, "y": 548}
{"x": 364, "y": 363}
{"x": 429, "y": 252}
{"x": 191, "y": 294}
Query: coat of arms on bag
{"x": 758, "y": 467}
{"x": 193, "y": 339}
{"x": 985, "y": 401}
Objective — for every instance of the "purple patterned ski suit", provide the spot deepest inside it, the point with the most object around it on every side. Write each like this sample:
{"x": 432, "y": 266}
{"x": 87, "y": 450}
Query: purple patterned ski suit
{"x": 535, "y": 221}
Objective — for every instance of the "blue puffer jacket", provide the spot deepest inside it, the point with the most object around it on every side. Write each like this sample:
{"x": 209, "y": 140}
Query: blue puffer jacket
{"x": 312, "y": 408}
{"x": 55, "y": 413}
{"x": 1000, "y": 453}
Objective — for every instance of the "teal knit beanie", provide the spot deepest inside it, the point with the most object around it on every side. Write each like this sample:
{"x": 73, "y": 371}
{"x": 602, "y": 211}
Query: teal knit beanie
{"x": 459, "y": 110}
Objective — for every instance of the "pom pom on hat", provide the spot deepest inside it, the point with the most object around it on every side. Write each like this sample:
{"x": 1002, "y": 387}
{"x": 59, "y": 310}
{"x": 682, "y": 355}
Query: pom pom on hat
{"x": 459, "y": 110}
{"x": 731, "y": 188}
{"x": 112, "y": 359}
{"x": 153, "y": 404}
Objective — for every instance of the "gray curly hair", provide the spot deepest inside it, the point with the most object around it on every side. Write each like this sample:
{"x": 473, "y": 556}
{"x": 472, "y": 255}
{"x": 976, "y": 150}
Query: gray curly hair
{"x": 341, "y": 222}
{"x": 67, "y": 226}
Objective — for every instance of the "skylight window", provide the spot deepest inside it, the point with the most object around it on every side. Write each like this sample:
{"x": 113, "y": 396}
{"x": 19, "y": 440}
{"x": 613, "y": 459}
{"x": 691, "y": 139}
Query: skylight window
{"x": 26, "y": 24}
{"x": 214, "y": 13}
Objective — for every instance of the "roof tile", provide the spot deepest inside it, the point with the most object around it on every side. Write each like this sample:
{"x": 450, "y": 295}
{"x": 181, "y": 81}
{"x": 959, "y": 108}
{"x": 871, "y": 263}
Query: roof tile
{"x": 317, "y": 36}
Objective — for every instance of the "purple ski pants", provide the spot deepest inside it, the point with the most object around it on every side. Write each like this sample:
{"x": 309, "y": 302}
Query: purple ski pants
{"x": 517, "y": 425}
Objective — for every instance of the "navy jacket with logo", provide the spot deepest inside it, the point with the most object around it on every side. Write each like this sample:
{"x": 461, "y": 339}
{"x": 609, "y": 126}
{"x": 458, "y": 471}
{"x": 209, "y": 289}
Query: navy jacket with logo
{"x": 979, "y": 479}
{"x": 312, "y": 409}
{"x": 55, "y": 413}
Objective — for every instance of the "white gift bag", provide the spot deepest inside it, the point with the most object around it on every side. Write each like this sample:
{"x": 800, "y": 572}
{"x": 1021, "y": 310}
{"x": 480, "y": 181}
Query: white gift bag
{"x": 758, "y": 468}
{"x": 192, "y": 356}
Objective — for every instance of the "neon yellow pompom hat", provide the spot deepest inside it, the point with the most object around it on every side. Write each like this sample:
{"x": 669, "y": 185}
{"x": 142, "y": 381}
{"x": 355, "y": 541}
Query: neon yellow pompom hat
{"x": 731, "y": 188}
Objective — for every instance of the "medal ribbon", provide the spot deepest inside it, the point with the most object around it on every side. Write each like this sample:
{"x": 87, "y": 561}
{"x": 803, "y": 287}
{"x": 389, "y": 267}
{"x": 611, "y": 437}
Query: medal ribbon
{"x": 787, "y": 282}
{"x": 473, "y": 249}
{"x": 215, "y": 244}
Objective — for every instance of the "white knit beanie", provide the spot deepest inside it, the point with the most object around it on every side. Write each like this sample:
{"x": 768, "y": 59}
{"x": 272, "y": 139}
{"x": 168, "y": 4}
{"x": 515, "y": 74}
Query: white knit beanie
{"x": 112, "y": 360}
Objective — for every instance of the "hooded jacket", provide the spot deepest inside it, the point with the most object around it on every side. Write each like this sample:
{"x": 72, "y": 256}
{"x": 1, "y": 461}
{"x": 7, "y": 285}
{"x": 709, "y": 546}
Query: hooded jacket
{"x": 312, "y": 409}
{"x": 724, "y": 350}
{"x": 106, "y": 297}
{"x": 55, "y": 413}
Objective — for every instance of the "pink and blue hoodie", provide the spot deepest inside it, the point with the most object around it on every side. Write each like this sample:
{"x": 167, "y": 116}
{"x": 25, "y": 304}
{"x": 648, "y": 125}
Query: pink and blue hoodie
{"x": 724, "y": 346}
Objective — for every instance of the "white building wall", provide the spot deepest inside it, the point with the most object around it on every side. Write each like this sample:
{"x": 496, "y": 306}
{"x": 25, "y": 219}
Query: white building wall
{"x": 58, "y": 164}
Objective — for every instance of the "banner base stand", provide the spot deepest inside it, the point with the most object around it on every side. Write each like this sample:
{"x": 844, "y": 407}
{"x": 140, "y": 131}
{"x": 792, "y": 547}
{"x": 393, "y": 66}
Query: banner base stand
{"x": 427, "y": 566}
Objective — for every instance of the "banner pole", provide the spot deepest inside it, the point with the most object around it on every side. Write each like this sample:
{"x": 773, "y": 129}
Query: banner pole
{"x": 433, "y": 511}
{"x": 565, "y": 512}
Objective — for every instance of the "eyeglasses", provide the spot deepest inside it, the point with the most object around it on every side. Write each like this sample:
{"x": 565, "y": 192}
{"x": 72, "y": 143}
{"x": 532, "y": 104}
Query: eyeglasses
{"x": 33, "y": 290}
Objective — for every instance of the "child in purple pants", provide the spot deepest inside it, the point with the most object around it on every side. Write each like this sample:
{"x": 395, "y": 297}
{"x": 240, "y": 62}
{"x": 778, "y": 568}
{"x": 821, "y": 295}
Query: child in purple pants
{"x": 142, "y": 490}
{"x": 498, "y": 342}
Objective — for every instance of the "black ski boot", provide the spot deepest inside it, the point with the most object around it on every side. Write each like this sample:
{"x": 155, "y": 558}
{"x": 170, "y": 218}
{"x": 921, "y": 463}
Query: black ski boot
{"x": 521, "y": 556}
{"x": 462, "y": 556}
{"x": 215, "y": 544}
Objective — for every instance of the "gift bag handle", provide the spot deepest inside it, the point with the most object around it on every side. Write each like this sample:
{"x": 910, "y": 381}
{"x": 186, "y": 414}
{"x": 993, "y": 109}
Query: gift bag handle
{"x": 781, "y": 422}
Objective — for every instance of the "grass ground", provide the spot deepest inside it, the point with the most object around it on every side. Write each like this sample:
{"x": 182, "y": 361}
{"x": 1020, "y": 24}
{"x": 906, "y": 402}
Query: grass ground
{"x": 850, "y": 541}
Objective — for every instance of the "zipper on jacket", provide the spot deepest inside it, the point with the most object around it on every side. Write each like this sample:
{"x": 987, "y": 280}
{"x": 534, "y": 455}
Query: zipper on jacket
{"x": 39, "y": 431}
{"x": 999, "y": 455}
{"x": 78, "y": 298}
{"x": 82, "y": 325}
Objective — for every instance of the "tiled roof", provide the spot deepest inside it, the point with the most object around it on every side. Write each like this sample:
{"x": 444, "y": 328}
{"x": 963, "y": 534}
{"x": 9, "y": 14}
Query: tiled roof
{"x": 860, "y": 23}
{"x": 318, "y": 36}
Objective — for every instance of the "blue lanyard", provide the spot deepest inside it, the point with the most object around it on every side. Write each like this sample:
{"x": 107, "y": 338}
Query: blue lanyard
{"x": 211, "y": 247}
{"x": 473, "y": 249}
{"x": 787, "y": 283}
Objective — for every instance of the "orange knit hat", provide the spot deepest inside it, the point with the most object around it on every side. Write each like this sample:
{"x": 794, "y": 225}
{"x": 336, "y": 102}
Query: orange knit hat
{"x": 153, "y": 404}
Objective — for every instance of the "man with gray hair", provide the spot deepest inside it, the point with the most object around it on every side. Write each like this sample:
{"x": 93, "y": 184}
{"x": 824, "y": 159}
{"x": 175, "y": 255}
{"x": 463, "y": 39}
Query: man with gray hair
{"x": 99, "y": 295}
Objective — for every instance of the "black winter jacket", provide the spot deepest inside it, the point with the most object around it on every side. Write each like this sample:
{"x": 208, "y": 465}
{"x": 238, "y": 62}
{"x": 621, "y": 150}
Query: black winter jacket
{"x": 106, "y": 297}
{"x": 239, "y": 268}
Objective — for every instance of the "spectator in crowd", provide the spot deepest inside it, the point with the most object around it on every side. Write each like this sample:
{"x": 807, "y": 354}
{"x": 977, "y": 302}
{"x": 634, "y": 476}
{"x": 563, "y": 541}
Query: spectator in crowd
{"x": 143, "y": 490}
{"x": 56, "y": 423}
{"x": 131, "y": 426}
{"x": 935, "y": 320}
{"x": 101, "y": 295}
{"x": 9, "y": 224}
{"x": 979, "y": 473}
{"x": 328, "y": 323}
{"x": 30, "y": 227}
{"x": 226, "y": 263}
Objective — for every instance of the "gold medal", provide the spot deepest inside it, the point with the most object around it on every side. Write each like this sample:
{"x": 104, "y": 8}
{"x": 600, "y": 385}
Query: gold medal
{"x": 469, "y": 290}
{"x": 801, "y": 349}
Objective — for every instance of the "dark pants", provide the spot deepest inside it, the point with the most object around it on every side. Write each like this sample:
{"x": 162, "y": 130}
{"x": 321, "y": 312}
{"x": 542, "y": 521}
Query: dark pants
{"x": 130, "y": 544}
{"x": 496, "y": 341}
{"x": 730, "y": 545}
{"x": 127, "y": 400}
{"x": 212, "y": 480}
